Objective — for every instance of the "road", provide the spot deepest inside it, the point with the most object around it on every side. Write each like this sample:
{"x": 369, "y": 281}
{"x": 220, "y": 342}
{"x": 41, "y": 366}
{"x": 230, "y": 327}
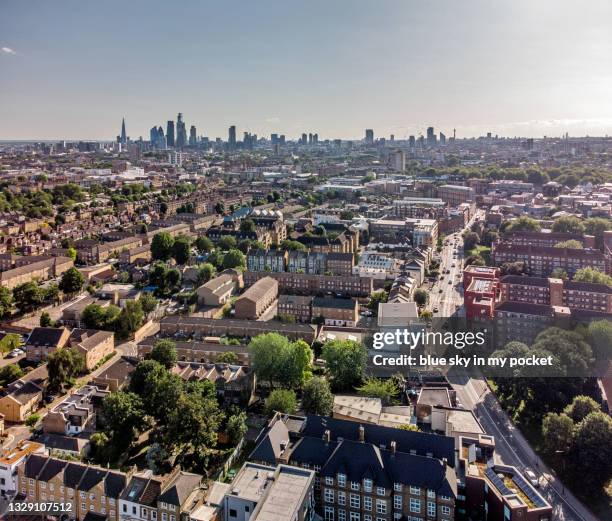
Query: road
{"x": 511, "y": 447}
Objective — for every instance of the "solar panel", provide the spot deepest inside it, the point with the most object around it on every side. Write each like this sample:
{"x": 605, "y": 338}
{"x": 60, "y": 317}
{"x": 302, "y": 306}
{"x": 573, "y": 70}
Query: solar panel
{"x": 498, "y": 482}
{"x": 528, "y": 491}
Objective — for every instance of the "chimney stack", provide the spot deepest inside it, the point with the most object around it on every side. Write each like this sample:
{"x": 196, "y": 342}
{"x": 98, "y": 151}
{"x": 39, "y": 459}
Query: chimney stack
{"x": 361, "y": 434}
{"x": 393, "y": 447}
{"x": 327, "y": 436}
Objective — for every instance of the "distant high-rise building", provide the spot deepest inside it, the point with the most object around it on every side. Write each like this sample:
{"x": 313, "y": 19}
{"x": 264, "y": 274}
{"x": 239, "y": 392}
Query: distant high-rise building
{"x": 369, "y": 136}
{"x": 181, "y": 131}
{"x": 231, "y": 138}
{"x": 310, "y": 138}
{"x": 170, "y": 133}
{"x": 157, "y": 138}
{"x": 282, "y": 139}
{"x": 274, "y": 139}
{"x": 392, "y": 138}
{"x": 442, "y": 139}
{"x": 431, "y": 137}
{"x": 123, "y": 134}
{"x": 397, "y": 160}
{"x": 304, "y": 139}
{"x": 411, "y": 141}
{"x": 315, "y": 139}
{"x": 193, "y": 138}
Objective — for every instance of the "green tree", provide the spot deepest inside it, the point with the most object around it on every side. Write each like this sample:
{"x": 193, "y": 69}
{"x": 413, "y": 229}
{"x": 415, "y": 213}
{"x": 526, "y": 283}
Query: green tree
{"x": 345, "y": 361}
{"x": 590, "y": 457}
{"x": 596, "y": 226}
{"x": 10, "y": 373}
{"x": 581, "y": 407}
{"x": 589, "y": 274}
{"x": 317, "y": 397}
{"x": 72, "y": 253}
{"x": 247, "y": 226}
{"x": 32, "y": 420}
{"x": 96, "y": 317}
{"x": 376, "y": 298}
{"x": 229, "y": 357}
{"x": 72, "y": 281}
{"x": 45, "y": 320}
{"x": 290, "y": 245}
{"x": 6, "y": 301}
{"x": 164, "y": 352}
{"x": 523, "y": 224}
{"x": 204, "y": 244}
{"x": 236, "y": 426}
{"x": 227, "y": 242}
{"x": 181, "y": 249}
{"x": 234, "y": 259}
{"x": 281, "y": 400}
{"x": 559, "y": 273}
{"x": 63, "y": 365}
{"x": 148, "y": 303}
{"x": 600, "y": 338}
{"x": 421, "y": 297}
{"x": 568, "y": 224}
{"x": 123, "y": 414}
{"x": 557, "y": 431}
{"x": 161, "y": 246}
{"x": 130, "y": 319}
{"x": 28, "y": 296}
{"x": 220, "y": 208}
{"x": 572, "y": 244}
{"x": 470, "y": 240}
{"x": 386, "y": 390}
{"x": 206, "y": 272}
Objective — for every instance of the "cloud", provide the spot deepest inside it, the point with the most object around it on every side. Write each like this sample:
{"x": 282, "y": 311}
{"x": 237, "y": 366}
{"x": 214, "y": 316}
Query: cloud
{"x": 7, "y": 50}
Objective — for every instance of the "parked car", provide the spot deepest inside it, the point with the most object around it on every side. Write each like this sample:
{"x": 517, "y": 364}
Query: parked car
{"x": 532, "y": 478}
{"x": 15, "y": 353}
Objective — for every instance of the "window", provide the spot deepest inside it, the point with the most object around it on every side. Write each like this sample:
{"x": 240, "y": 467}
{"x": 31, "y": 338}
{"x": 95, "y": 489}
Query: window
{"x": 397, "y": 502}
{"x": 92, "y": 497}
{"x": 380, "y": 491}
{"x": 112, "y": 501}
{"x": 172, "y": 517}
{"x": 124, "y": 507}
{"x": 329, "y": 480}
{"x": 381, "y": 506}
{"x": 164, "y": 516}
{"x": 233, "y": 512}
{"x": 342, "y": 480}
{"x": 445, "y": 510}
{"x": 367, "y": 517}
{"x": 154, "y": 514}
{"x": 354, "y": 485}
{"x": 445, "y": 498}
{"x": 329, "y": 513}
{"x": 112, "y": 513}
{"x": 329, "y": 495}
{"x": 341, "y": 515}
{"x": 43, "y": 485}
{"x": 354, "y": 516}
{"x": 397, "y": 487}
{"x": 144, "y": 513}
{"x": 355, "y": 502}
{"x": 416, "y": 491}
{"x": 367, "y": 485}
{"x": 415, "y": 505}
{"x": 341, "y": 498}
{"x": 83, "y": 506}
{"x": 431, "y": 494}
{"x": 82, "y": 495}
{"x": 431, "y": 508}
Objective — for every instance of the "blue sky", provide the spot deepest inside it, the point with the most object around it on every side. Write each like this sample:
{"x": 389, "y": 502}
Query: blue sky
{"x": 72, "y": 68}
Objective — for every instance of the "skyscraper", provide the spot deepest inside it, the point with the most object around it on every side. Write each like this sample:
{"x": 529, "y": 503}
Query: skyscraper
{"x": 123, "y": 135}
{"x": 369, "y": 136}
{"x": 181, "y": 131}
{"x": 192, "y": 136}
{"x": 158, "y": 140}
{"x": 231, "y": 138}
{"x": 442, "y": 139}
{"x": 170, "y": 133}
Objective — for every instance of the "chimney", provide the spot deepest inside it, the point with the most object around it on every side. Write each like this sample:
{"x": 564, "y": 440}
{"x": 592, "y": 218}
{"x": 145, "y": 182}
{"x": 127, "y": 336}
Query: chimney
{"x": 444, "y": 462}
{"x": 327, "y": 436}
{"x": 393, "y": 447}
{"x": 361, "y": 434}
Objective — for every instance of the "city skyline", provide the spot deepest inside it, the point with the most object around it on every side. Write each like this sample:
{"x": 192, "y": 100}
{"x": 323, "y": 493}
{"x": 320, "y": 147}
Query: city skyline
{"x": 397, "y": 69}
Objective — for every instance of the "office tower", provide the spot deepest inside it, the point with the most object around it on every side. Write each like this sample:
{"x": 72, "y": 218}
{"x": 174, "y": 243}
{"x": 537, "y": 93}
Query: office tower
{"x": 315, "y": 139}
{"x": 442, "y": 139}
{"x": 392, "y": 138}
{"x": 157, "y": 138}
{"x": 369, "y": 136}
{"x": 304, "y": 139}
{"x": 454, "y": 134}
{"x": 282, "y": 139}
{"x": 310, "y": 138}
{"x": 123, "y": 135}
{"x": 411, "y": 141}
{"x": 181, "y": 131}
{"x": 274, "y": 138}
{"x": 193, "y": 139}
{"x": 170, "y": 133}
{"x": 431, "y": 137}
{"x": 231, "y": 140}
{"x": 397, "y": 160}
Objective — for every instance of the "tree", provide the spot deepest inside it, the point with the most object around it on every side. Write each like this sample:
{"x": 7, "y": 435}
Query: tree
{"x": 6, "y": 301}
{"x": 204, "y": 244}
{"x": 63, "y": 365}
{"x": 45, "y": 320}
{"x": 161, "y": 246}
{"x": 409, "y": 427}
{"x": 164, "y": 352}
{"x": 130, "y": 319}
{"x": 72, "y": 281}
{"x": 523, "y": 224}
{"x": 32, "y": 420}
{"x": 557, "y": 431}
{"x": 421, "y": 297}
{"x": 10, "y": 373}
{"x": 142, "y": 372}
{"x": 345, "y": 361}
{"x": 290, "y": 245}
{"x": 148, "y": 303}
{"x": 123, "y": 414}
{"x": 216, "y": 259}
{"x": 386, "y": 390}
{"x": 28, "y": 296}
{"x": 475, "y": 260}
{"x": 96, "y": 317}
{"x": 376, "y": 298}
{"x": 590, "y": 456}
{"x": 229, "y": 357}
{"x": 317, "y": 397}
{"x": 236, "y": 426}
{"x": 581, "y": 407}
{"x": 227, "y": 242}
{"x": 600, "y": 338}
{"x": 597, "y": 226}
{"x": 572, "y": 244}
{"x": 470, "y": 240}
{"x": 234, "y": 259}
{"x": 559, "y": 273}
{"x": 294, "y": 366}
{"x": 589, "y": 274}
{"x": 568, "y": 224}
{"x": 181, "y": 249}
{"x": 247, "y": 226}
{"x": 281, "y": 400}
{"x": 72, "y": 253}
{"x": 206, "y": 272}
{"x": 220, "y": 208}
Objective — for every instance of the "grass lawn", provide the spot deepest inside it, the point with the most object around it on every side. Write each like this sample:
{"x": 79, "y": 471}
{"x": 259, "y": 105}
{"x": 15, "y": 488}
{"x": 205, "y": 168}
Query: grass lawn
{"x": 483, "y": 251}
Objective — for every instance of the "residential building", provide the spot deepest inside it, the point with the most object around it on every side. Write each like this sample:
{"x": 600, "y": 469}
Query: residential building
{"x": 92, "y": 344}
{"x": 296, "y": 306}
{"x": 336, "y": 311}
{"x": 256, "y": 299}
{"x": 36, "y": 271}
{"x": 217, "y": 291}
{"x": 45, "y": 340}
{"x": 10, "y": 460}
{"x": 455, "y": 195}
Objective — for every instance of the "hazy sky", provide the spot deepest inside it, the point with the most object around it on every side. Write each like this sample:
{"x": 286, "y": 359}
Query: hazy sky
{"x": 73, "y": 69}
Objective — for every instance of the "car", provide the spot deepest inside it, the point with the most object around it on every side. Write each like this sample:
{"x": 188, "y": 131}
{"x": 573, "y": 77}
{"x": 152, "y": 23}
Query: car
{"x": 532, "y": 478}
{"x": 450, "y": 281}
{"x": 14, "y": 353}
{"x": 435, "y": 310}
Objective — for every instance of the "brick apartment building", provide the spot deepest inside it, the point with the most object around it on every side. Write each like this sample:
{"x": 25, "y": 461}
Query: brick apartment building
{"x": 547, "y": 239}
{"x": 256, "y": 299}
{"x": 455, "y": 194}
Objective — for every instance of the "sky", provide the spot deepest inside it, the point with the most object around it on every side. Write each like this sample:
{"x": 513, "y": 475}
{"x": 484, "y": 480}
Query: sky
{"x": 71, "y": 69}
